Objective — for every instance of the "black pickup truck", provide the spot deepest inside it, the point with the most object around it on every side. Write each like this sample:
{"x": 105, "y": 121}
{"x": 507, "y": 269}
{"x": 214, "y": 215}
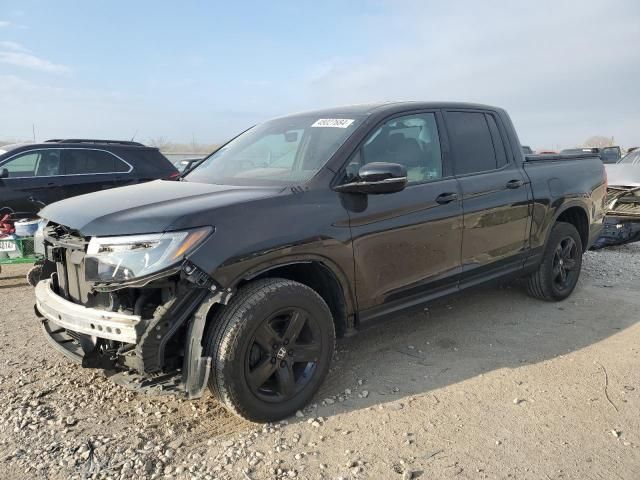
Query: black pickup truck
{"x": 301, "y": 229}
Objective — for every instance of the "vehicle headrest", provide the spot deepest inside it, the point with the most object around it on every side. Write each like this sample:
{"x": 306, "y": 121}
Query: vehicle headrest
{"x": 409, "y": 154}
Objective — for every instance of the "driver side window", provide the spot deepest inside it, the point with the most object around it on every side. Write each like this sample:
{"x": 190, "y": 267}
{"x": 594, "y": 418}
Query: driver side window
{"x": 42, "y": 163}
{"x": 411, "y": 141}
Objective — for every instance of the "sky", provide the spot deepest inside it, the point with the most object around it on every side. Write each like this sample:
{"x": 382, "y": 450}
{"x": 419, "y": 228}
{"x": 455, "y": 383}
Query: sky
{"x": 204, "y": 71}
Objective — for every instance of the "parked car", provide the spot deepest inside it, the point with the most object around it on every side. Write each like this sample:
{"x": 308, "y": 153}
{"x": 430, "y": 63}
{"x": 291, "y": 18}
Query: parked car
{"x": 622, "y": 221}
{"x": 37, "y": 174}
{"x": 186, "y": 164}
{"x": 526, "y": 149}
{"x": 607, "y": 154}
{"x": 301, "y": 229}
{"x": 631, "y": 158}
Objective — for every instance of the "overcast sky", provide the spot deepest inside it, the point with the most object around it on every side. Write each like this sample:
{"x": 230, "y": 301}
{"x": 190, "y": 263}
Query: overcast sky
{"x": 181, "y": 70}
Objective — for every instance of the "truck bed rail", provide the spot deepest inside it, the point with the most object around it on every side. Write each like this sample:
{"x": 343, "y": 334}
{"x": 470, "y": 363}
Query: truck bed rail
{"x": 558, "y": 157}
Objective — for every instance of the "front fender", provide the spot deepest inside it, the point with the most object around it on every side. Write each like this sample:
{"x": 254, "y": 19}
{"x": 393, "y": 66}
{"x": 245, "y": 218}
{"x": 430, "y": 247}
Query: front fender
{"x": 248, "y": 271}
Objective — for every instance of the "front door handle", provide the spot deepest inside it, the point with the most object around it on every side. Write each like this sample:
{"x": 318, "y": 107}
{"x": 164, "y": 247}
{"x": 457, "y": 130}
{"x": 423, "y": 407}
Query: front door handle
{"x": 446, "y": 197}
{"x": 514, "y": 183}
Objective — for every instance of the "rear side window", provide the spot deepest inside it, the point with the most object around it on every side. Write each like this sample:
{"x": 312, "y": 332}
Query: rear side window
{"x": 149, "y": 162}
{"x": 79, "y": 162}
{"x": 473, "y": 142}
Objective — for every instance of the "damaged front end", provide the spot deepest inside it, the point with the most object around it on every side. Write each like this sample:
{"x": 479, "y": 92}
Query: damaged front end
{"x": 133, "y": 306}
{"x": 622, "y": 220}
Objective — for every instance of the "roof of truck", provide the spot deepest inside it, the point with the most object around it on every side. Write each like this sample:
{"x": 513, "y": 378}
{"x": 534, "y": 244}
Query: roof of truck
{"x": 377, "y": 107}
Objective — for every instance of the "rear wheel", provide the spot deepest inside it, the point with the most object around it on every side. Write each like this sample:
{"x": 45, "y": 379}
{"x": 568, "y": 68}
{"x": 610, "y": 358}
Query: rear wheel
{"x": 271, "y": 348}
{"x": 558, "y": 273}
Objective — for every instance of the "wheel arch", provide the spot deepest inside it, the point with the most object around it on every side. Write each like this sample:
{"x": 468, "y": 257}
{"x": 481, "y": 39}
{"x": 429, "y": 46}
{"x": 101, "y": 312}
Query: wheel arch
{"x": 319, "y": 274}
{"x": 575, "y": 214}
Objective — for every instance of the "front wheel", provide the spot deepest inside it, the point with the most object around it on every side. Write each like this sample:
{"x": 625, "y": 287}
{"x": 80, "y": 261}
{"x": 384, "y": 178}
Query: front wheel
{"x": 558, "y": 273}
{"x": 271, "y": 349}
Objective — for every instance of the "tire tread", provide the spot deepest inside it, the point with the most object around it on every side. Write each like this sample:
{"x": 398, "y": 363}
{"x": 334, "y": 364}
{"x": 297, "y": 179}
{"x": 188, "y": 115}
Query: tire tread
{"x": 227, "y": 334}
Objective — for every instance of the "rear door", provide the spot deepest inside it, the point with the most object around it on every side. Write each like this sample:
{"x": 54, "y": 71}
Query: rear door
{"x": 91, "y": 170}
{"x": 406, "y": 244}
{"x": 148, "y": 163}
{"x": 495, "y": 195}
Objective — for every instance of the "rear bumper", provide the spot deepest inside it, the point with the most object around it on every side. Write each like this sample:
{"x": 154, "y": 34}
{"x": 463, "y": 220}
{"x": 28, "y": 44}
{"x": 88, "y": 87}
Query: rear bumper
{"x": 89, "y": 321}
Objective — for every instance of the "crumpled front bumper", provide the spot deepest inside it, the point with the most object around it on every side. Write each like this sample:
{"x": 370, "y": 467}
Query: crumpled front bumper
{"x": 82, "y": 333}
{"x": 88, "y": 321}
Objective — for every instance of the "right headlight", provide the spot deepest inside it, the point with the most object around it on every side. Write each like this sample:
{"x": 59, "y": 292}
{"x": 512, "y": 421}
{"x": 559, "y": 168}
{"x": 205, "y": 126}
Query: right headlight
{"x": 123, "y": 258}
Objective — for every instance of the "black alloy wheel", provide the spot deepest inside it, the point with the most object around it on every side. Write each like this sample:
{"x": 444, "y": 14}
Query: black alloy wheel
{"x": 271, "y": 348}
{"x": 565, "y": 263}
{"x": 559, "y": 270}
{"x": 283, "y": 355}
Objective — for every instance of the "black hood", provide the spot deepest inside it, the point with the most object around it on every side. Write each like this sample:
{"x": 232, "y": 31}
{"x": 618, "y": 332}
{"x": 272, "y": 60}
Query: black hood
{"x": 150, "y": 207}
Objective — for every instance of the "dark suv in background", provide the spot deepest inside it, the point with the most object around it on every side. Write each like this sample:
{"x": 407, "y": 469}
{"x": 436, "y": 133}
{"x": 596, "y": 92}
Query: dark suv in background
{"x": 38, "y": 174}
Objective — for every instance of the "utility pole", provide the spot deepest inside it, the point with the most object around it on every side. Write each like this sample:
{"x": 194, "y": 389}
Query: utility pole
{"x": 33, "y": 130}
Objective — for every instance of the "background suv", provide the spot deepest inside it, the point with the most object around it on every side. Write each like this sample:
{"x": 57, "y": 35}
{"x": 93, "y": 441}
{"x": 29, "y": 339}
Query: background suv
{"x": 38, "y": 174}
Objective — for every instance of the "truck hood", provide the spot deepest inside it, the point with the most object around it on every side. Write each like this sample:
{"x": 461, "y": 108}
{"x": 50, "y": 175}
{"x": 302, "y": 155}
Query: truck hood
{"x": 151, "y": 207}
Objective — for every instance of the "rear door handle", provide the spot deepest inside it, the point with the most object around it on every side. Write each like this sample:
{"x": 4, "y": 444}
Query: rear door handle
{"x": 514, "y": 183}
{"x": 446, "y": 197}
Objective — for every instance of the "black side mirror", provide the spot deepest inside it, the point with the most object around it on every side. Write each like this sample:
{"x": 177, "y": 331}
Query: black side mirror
{"x": 4, "y": 173}
{"x": 376, "y": 178}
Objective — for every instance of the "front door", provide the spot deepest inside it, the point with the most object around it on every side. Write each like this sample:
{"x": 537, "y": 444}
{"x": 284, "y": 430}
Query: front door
{"x": 33, "y": 181}
{"x": 406, "y": 244}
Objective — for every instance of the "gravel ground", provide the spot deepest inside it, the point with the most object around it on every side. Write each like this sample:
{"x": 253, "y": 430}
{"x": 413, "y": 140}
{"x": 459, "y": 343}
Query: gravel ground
{"x": 489, "y": 384}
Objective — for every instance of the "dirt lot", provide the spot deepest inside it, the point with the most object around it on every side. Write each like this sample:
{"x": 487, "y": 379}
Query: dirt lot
{"x": 489, "y": 384}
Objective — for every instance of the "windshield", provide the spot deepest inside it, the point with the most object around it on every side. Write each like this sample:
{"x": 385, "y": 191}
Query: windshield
{"x": 279, "y": 152}
{"x": 631, "y": 158}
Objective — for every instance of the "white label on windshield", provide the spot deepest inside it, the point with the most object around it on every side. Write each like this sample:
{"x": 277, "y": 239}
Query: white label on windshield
{"x": 333, "y": 122}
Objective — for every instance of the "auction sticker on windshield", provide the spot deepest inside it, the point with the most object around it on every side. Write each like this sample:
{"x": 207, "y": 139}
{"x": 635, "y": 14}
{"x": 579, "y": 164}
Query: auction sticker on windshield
{"x": 333, "y": 122}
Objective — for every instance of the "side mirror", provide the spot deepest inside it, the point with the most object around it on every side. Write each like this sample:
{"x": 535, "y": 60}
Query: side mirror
{"x": 4, "y": 173}
{"x": 377, "y": 178}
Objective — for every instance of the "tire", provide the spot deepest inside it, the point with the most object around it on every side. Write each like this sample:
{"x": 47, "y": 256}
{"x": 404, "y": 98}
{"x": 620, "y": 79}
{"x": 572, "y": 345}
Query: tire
{"x": 563, "y": 253}
{"x": 34, "y": 275}
{"x": 271, "y": 348}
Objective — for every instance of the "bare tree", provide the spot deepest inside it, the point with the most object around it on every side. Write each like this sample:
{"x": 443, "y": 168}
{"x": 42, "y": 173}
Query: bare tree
{"x": 160, "y": 143}
{"x": 599, "y": 141}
